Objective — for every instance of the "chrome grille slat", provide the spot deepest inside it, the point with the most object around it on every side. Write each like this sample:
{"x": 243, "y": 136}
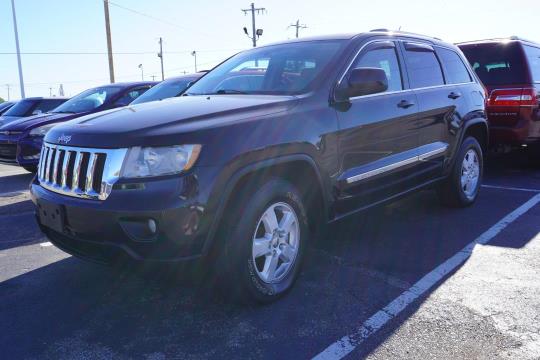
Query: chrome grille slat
{"x": 65, "y": 168}
{"x": 77, "y": 179}
{"x": 90, "y": 174}
{"x": 55, "y": 167}
{"x": 48, "y": 165}
{"x": 77, "y": 172}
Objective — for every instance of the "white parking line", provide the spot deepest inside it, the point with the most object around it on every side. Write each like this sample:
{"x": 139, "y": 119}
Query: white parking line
{"x": 348, "y": 343}
{"x": 511, "y": 188}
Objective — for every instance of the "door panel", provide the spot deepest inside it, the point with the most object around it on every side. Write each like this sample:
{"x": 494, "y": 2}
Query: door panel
{"x": 376, "y": 132}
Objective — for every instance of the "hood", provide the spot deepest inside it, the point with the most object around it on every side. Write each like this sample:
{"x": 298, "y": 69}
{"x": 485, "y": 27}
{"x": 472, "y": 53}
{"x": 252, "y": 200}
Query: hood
{"x": 27, "y": 123}
{"x": 8, "y": 119}
{"x": 160, "y": 123}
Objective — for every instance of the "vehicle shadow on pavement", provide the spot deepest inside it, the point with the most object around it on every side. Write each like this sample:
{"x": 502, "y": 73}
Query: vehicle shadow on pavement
{"x": 13, "y": 183}
{"x": 73, "y": 309}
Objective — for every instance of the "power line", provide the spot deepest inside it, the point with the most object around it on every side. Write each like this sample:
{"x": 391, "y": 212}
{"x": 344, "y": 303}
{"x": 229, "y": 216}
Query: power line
{"x": 115, "y": 53}
{"x": 155, "y": 18}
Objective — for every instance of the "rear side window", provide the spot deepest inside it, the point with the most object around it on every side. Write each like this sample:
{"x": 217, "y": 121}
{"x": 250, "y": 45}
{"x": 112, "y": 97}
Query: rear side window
{"x": 533, "y": 56}
{"x": 497, "y": 63}
{"x": 424, "y": 69}
{"x": 385, "y": 59}
{"x": 455, "y": 70}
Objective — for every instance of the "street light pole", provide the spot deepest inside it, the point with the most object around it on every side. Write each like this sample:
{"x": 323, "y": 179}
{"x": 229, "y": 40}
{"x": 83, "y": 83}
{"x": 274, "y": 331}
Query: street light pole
{"x": 142, "y": 71}
{"x": 194, "y": 53}
{"x": 109, "y": 41}
{"x": 161, "y": 58}
{"x": 21, "y": 80}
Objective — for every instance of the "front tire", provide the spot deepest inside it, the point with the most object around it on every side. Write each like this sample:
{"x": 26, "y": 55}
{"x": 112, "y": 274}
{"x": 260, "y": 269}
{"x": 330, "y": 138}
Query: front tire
{"x": 266, "y": 243}
{"x": 461, "y": 187}
{"x": 30, "y": 168}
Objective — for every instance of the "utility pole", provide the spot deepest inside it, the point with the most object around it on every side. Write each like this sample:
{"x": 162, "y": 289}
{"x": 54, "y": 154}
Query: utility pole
{"x": 255, "y": 33}
{"x": 160, "y": 55}
{"x": 21, "y": 80}
{"x": 8, "y": 87}
{"x": 194, "y": 53}
{"x": 50, "y": 91}
{"x": 298, "y": 27}
{"x": 109, "y": 41}
{"x": 153, "y": 77}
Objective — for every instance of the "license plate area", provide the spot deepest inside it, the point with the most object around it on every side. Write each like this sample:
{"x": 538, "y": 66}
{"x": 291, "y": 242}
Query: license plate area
{"x": 51, "y": 216}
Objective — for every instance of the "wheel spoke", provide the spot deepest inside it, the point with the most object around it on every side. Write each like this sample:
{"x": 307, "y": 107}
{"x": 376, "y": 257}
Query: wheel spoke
{"x": 287, "y": 253}
{"x": 270, "y": 221}
{"x": 270, "y": 267}
{"x": 261, "y": 247}
{"x": 287, "y": 221}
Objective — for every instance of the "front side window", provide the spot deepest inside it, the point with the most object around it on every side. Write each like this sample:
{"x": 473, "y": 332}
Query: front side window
{"x": 131, "y": 95}
{"x": 46, "y": 105}
{"x": 533, "y": 56}
{"x": 424, "y": 69}
{"x": 385, "y": 59}
{"x": 164, "y": 90}
{"x": 285, "y": 69}
{"x": 456, "y": 72}
{"x": 88, "y": 100}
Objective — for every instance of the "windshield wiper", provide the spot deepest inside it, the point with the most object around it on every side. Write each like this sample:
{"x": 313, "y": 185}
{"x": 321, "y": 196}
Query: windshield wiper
{"x": 63, "y": 112}
{"x": 229, "y": 91}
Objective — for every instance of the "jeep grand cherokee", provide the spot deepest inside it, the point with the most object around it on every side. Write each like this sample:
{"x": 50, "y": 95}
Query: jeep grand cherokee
{"x": 262, "y": 152}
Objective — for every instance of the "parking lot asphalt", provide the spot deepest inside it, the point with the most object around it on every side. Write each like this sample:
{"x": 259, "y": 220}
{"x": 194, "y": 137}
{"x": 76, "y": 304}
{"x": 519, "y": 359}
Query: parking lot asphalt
{"x": 487, "y": 306}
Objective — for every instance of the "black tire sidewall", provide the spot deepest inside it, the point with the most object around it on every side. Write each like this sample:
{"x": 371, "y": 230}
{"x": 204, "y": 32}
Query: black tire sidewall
{"x": 239, "y": 244}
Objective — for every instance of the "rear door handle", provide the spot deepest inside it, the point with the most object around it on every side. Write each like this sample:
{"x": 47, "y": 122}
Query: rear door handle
{"x": 454, "y": 95}
{"x": 404, "y": 104}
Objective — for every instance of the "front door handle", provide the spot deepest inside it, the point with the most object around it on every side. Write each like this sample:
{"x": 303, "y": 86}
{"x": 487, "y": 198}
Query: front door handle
{"x": 454, "y": 95}
{"x": 404, "y": 104}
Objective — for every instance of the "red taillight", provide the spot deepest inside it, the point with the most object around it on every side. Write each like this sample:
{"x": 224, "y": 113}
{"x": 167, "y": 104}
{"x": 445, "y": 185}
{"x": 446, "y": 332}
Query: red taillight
{"x": 513, "y": 97}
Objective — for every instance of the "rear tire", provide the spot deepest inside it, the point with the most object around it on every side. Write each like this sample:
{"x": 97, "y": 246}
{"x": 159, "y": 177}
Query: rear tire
{"x": 461, "y": 187}
{"x": 265, "y": 237}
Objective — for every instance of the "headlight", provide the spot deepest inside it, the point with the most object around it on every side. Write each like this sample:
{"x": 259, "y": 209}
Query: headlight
{"x": 42, "y": 130}
{"x": 157, "y": 161}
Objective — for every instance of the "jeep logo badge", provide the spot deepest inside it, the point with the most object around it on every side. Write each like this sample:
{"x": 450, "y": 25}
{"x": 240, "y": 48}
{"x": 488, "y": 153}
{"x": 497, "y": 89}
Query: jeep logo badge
{"x": 64, "y": 139}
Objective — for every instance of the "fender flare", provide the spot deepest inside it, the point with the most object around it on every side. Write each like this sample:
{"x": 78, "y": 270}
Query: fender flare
{"x": 243, "y": 171}
{"x": 472, "y": 122}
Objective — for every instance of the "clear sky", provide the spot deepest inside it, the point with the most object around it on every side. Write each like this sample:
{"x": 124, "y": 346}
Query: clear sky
{"x": 214, "y": 30}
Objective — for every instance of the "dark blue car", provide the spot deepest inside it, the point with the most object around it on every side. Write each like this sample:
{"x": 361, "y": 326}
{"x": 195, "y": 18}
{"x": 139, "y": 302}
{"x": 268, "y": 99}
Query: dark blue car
{"x": 20, "y": 140}
{"x": 30, "y": 107}
{"x": 5, "y": 106}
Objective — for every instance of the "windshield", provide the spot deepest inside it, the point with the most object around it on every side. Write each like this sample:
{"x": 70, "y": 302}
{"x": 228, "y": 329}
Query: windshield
{"x": 164, "y": 90}
{"x": 22, "y": 108}
{"x": 286, "y": 69}
{"x": 88, "y": 100}
{"x": 497, "y": 63}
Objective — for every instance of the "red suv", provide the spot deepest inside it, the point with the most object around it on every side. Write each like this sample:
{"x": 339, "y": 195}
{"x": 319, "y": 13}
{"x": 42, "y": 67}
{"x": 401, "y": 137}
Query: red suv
{"x": 510, "y": 70}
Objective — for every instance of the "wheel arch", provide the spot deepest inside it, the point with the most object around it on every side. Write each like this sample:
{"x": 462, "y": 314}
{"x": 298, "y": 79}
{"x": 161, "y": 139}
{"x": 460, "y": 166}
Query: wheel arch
{"x": 288, "y": 167}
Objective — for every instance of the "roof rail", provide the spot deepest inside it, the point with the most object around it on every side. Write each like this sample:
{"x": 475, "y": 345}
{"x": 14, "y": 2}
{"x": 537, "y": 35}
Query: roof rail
{"x": 405, "y": 33}
{"x": 512, "y": 38}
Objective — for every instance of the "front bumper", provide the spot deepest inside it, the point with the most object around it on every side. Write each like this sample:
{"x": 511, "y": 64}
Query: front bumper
{"x": 97, "y": 230}
{"x": 20, "y": 150}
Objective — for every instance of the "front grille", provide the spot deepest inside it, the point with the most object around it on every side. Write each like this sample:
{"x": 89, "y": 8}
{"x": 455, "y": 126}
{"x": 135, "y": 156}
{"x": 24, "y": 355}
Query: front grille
{"x": 8, "y": 152}
{"x": 80, "y": 172}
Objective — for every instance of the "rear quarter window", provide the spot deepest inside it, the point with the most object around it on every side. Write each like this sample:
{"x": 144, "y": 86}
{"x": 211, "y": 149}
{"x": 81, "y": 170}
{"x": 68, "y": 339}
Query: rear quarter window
{"x": 497, "y": 63}
{"x": 455, "y": 70}
{"x": 533, "y": 57}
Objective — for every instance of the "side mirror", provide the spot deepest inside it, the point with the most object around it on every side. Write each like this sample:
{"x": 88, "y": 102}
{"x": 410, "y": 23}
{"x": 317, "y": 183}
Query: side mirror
{"x": 363, "y": 81}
